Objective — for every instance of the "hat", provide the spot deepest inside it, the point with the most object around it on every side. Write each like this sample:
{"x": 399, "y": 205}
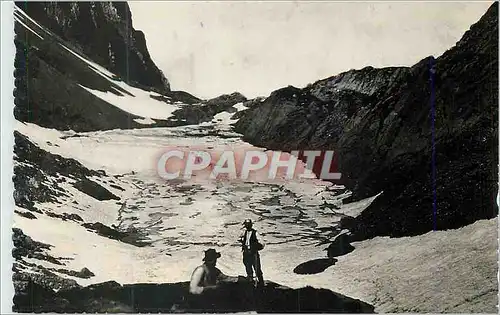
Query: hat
{"x": 247, "y": 221}
{"x": 211, "y": 254}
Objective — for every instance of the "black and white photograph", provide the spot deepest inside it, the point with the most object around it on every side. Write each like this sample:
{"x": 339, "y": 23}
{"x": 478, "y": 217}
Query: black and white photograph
{"x": 250, "y": 157}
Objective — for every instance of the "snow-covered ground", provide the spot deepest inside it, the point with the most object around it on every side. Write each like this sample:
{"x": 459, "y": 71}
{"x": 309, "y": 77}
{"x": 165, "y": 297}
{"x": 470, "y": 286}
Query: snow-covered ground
{"x": 139, "y": 102}
{"x": 447, "y": 271}
{"x": 440, "y": 271}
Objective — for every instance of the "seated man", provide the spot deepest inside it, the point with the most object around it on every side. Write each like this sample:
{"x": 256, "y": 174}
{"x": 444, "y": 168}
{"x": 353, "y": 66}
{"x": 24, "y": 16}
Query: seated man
{"x": 207, "y": 276}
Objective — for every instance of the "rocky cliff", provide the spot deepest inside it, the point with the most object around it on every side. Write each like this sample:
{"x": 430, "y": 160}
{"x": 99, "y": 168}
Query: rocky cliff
{"x": 51, "y": 73}
{"x": 425, "y": 135}
{"x": 104, "y": 32}
{"x": 75, "y": 67}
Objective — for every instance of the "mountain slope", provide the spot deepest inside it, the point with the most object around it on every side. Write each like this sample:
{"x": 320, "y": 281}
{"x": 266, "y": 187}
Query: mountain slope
{"x": 103, "y": 32}
{"x": 58, "y": 86}
{"x": 380, "y": 123}
{"x": 90, "y": 209}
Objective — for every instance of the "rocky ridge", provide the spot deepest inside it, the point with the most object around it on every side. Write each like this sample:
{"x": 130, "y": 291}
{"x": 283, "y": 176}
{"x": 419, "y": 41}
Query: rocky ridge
{"x": 383, "y": 128}
{"x": 56, "y": 65}
{"x": 104, "y": 32}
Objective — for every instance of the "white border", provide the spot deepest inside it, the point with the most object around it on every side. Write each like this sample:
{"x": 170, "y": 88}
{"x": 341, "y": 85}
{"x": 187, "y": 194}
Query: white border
{"x": 7, "y": 143}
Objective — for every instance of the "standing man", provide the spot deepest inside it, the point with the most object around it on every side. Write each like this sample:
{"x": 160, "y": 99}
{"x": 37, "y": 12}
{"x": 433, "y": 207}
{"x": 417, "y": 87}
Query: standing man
{"x": 251, "y": 247}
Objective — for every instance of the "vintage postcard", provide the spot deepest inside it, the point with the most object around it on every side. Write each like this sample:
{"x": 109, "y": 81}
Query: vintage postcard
{"x": 250, "y": 157}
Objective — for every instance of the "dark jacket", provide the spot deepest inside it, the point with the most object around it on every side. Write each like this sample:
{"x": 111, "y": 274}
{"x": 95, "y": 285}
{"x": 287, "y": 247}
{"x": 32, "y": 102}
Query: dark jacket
{"x": 255, "y": 246}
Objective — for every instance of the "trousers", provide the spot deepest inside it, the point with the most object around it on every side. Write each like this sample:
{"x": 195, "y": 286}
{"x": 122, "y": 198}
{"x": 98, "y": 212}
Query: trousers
{"x": 251, "y": 260}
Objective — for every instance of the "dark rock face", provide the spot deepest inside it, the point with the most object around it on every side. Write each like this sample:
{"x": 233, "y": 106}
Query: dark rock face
{"x": 381, "y": 124}
{"x": 65, "y": 216}
{"x": 49, "y": 79}
{"x": 206, "y": 110}
{"x": 34, "y": 289}
{"x": 314, "y": 117}
{"x": 25, "y": 246}
{"x": 44, "y": 279}
{"x": 52, "y": 164}
{"x": 103, "y": 31}
{"x": 30, "y": 183}
{"x": 184, "y": 97}
{"x": 84, "y": 273}
{"x": 340, "y": 246}
{"x": 35, "y": 172}
{"x": 26, "y": 214}
{"x": 95, "y": 190}
{"x": 174, "y": 298}
{"x": 131, "y": 236}
{"x": 38, "y": 275}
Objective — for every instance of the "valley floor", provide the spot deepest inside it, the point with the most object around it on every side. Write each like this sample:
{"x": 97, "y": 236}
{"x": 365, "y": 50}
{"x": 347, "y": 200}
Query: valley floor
{"x": 445, "y": 271}
{"x": 91, "y": 207}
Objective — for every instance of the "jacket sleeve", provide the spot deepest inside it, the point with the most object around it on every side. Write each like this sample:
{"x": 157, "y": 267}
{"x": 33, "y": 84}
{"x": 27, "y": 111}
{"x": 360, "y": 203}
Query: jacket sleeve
{"x": 255, "y": 235}
{"x": 257, "y": 242}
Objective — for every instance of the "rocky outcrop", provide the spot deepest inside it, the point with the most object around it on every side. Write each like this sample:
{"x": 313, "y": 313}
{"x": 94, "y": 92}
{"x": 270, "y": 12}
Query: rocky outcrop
{"x": 174, "y": 298}
{"x": 104, "y": 32}
{"x": 315, "y": 117}
{"x": 50, "y": 74}
{"x": 94, "y": 190}
{"x": 38, "y": 175}
{"x": 49, "y": 79}
{"x": 25, "y": 246}
{"x": 385, "y": 124}
{"x": 206, "y": 110}
{"x": 26, "y": 252}
{"x": 130, "y": 236}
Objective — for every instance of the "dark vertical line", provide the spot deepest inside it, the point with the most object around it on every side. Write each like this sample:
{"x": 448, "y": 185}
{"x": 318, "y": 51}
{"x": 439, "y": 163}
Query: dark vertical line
{"x": 432, "y": 72}
{"x": 30, "y": 111}
{"x": 127, "y": 49}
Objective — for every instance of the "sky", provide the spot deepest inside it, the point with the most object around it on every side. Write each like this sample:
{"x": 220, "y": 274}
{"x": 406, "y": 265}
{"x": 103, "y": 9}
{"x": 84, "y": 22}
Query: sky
{"x": 214, "y": 48}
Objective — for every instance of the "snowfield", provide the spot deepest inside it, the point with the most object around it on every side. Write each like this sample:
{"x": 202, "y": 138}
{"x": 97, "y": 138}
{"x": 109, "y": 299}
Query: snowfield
{"x": 139, "y": 103}
{"x": 446, "y": 271}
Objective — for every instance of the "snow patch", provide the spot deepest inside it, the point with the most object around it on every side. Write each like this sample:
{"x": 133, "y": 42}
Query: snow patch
{"x": 239, "y": 107}
{"x": 21, "y": 12}
{"x": 141, "y": 104}
{"x": 94, "y": 66}
{"x": 27, "y": 27}
{"x": 145, "y": 121}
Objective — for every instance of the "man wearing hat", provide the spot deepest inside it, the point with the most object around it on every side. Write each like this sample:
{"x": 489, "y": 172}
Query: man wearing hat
{"x": 250, "y": 248}
{"x": 207, "y": 276}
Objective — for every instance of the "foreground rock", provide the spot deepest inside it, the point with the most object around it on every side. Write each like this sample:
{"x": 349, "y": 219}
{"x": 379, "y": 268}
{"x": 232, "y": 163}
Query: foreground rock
{"x": 173, "y": 298}
{"x": 382, "y": 126}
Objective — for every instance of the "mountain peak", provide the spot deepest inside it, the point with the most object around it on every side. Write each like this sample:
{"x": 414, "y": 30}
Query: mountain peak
{"x": 104, "y": 32}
